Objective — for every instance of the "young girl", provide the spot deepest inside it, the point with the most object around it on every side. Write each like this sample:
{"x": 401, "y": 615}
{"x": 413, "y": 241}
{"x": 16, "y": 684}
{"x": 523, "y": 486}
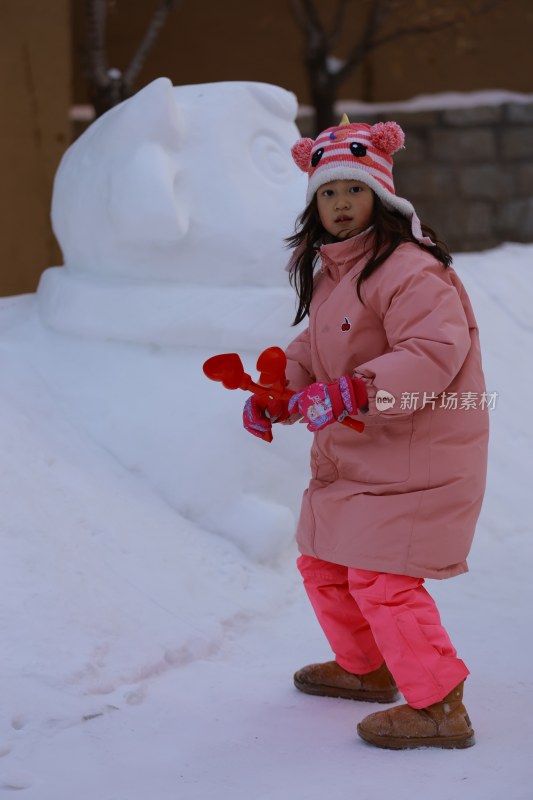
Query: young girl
{"x": 392, "y": 336}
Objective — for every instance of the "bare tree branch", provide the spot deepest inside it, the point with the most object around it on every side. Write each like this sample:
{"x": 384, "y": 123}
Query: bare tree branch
{"x": 366, "y": 42}
{"x": 338, "y": 22}
{"x": 302, "y": 17}
{"x": 433, "y": 27}
{"x": 154, "y": 28}
{"x": 96, "y": 13}
{"x": 312, "y": 15}
{"x": 299, "y": 17}
{"x": 108, "y": 87}
{"x": 325, "y": 76}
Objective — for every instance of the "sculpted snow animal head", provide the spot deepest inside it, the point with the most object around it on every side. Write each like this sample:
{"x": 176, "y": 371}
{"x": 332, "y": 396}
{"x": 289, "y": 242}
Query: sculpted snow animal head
{"x": 190, "y": 184}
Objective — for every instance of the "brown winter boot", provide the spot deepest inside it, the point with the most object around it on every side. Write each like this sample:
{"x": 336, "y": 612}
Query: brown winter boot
{"x": 331, "y": 680}
{"x": 444, "y": 724}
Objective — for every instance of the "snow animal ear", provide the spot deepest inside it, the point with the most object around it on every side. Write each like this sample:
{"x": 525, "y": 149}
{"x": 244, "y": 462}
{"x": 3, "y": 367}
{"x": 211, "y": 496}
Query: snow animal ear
{"x": 119, "y": 184}
{"x": 146, "y": 202}
{"x": 278, "y": 101}
{"x": 301, "y": 153}
{"x": 153, "y": 115}
{"x": 387, "y": 136}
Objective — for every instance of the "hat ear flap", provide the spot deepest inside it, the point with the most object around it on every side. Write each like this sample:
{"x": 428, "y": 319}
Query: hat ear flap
{"x": 301, "y": 153}
{"x": 387, "y": 136}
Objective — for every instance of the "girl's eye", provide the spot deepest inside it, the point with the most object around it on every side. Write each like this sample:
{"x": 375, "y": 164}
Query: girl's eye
{"x": 355, "y": 189}
{"x": 327, "y": 193}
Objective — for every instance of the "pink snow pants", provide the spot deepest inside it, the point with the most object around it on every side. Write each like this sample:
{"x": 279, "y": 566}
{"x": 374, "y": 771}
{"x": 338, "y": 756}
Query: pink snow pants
{"x": 371, "y": 617}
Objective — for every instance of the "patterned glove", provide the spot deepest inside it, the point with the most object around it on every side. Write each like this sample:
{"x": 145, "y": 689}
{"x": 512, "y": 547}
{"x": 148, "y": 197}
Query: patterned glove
{"x": 324, "y": 403}
{"x": 259, "y": 413}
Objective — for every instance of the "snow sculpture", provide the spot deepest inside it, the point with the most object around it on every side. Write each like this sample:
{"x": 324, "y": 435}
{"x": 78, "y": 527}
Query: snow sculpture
{"x": 171, "y": 211}
{"x": 189, "y": 186}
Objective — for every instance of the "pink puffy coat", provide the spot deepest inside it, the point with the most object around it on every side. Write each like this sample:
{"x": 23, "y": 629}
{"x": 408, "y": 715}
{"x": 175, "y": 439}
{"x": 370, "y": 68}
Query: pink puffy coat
{"x": 405, "y": 495}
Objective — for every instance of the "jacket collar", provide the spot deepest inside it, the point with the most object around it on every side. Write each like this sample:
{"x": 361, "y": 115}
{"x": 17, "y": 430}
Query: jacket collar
{"x": 339, "y": 257}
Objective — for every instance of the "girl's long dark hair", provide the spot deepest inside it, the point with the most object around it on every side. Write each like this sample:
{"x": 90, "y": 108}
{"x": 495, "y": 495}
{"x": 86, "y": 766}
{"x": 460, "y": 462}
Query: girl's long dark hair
{"x": 390, "y": 229}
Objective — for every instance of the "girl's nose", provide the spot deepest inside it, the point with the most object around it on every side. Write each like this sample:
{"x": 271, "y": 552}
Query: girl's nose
{"x": 342, "y": 202}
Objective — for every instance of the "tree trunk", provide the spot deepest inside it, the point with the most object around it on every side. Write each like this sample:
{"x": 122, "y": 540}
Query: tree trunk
{"x": 109, "y": 87}
{"x": 104, "y": 97}
{"x": 323, "y": 97}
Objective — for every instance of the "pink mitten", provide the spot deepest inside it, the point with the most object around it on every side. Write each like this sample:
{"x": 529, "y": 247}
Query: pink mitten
{"x": 324, "y": 403}
{"x": 259, "y": 413}
{"x": 255, "y": 421}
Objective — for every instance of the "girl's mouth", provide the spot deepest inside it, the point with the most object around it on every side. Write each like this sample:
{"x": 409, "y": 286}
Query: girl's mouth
{"x": 343, "y": 218}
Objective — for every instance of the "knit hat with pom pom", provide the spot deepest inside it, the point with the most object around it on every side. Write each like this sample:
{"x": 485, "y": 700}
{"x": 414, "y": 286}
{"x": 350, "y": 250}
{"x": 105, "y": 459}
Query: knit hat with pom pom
{"x": 360, "y": 152}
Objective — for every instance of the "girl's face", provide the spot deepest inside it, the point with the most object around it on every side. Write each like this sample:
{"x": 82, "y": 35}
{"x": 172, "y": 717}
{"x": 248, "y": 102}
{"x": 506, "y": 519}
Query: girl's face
{"x": 345, "y": 208}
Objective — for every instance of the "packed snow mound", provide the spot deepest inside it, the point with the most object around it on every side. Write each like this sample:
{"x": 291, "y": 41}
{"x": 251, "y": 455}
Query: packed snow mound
{"x": 105, "y": 560}
{"x": 144, "y": 644}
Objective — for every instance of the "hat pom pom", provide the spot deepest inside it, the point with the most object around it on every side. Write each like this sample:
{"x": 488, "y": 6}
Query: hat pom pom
{"x": 301, "y": 153}
{"x": 387, "y": 136}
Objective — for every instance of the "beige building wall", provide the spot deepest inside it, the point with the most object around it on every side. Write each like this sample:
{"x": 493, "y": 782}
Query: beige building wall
{"x": 242, "y": 40}
{"x": 35, "y": 93}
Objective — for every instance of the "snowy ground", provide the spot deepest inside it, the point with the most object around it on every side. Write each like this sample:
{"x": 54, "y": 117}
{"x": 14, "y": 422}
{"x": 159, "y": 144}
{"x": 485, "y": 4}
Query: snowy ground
{"x": 152, "y": 616}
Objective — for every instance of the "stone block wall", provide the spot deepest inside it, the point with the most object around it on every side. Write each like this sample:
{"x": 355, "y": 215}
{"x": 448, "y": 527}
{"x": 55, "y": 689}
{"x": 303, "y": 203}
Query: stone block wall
{"x": 468, "y": 171}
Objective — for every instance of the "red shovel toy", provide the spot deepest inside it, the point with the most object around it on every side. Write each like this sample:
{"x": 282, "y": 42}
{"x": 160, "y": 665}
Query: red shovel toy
{"x": 227, "y": 368}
